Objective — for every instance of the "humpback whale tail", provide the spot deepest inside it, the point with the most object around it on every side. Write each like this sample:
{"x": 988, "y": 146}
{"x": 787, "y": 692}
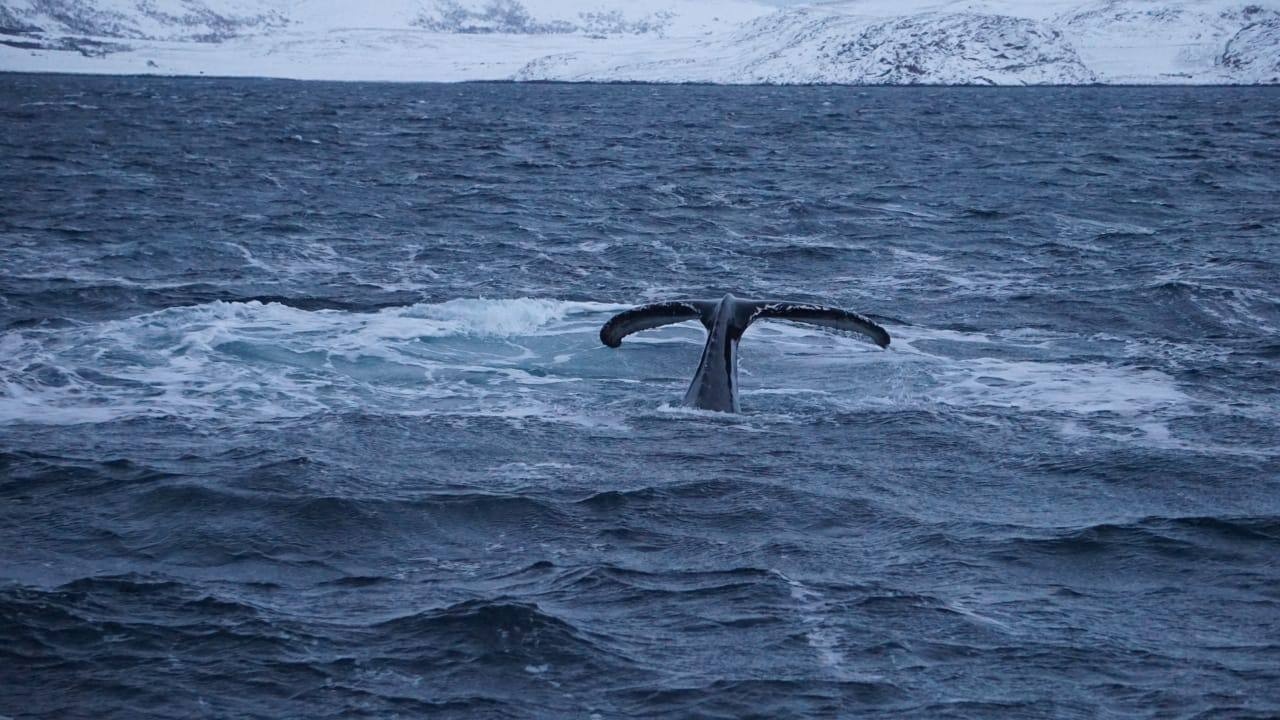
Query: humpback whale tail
{"x": 715, "y": 386}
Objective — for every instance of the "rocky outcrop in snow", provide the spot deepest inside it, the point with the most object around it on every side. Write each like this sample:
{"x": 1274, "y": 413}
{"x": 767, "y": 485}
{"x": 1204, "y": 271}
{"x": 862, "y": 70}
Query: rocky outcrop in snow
{"x": 219, "y": 20}
{"x": 1253, "y": 54}
{"x": 959, "y": 48}
{"x": 512, "y": 17}
{"x": 192, "y": 21}
{"x": 816, "y": 46}
{"x": 1137, "y": 41}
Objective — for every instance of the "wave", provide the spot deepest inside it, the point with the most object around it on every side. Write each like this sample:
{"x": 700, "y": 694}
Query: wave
{"x": 608, "y": 580}
{"x": 1147, "y": 540}
{"x": 761, "y": 698}
{"x": 501, "y": 631}
{"x": 1230, "y": 311}
{"x": 113, "y": 629}
{"x": 301, "y": 514}
{"x": 131, "y": 613}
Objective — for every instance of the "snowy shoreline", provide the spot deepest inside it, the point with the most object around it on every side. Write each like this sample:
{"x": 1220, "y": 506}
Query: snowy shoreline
{"x": 857, "y": 43}
{"x": 623, "y": 83}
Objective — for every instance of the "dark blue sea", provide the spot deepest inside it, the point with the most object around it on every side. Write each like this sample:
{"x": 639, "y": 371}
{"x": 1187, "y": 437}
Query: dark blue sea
{"x": 303, "y": 411}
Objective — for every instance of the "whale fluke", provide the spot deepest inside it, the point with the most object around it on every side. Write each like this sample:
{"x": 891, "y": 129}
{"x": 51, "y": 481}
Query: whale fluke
{"x": 715, "y": 386}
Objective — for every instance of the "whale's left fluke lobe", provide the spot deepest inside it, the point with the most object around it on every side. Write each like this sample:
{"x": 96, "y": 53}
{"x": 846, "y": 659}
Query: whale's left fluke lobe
{"x": 647, "y": 317}
{"x": 715, "y": 386}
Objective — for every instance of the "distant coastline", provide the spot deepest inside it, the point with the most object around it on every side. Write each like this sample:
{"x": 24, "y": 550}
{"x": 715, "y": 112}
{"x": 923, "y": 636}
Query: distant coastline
{"x": 866, "y": 43}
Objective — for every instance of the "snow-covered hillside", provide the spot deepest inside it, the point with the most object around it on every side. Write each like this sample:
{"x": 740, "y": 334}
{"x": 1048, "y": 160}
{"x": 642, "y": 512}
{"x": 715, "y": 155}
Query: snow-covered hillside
{"x": 819, "y": 45}
{"x": 215, "y": 20}
{"x": 1002, "y": 42}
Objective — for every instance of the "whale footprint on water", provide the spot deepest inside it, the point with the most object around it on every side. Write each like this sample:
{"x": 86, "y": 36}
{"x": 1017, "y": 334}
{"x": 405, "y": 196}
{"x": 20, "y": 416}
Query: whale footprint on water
{"x": 715, "y": 386}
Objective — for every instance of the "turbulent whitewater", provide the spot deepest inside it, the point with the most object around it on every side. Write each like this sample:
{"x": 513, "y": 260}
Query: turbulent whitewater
{"x": 304, "y": 411}
{"x": 858, "y": 42}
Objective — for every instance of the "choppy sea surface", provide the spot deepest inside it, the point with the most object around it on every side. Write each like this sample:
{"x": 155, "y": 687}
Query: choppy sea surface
{"x": 303, "y": 413}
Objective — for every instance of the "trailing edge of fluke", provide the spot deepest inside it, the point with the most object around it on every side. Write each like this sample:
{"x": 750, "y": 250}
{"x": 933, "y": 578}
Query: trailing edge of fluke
{"x": 715, "y": 386}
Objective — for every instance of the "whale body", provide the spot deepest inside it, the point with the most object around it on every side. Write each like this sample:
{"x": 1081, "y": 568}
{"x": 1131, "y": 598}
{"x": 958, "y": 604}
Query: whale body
{"x": 715, "y": 386}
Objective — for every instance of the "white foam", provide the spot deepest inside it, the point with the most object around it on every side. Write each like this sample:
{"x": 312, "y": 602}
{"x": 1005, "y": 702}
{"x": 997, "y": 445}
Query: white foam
{"x": 256, "y": 361}
{"x": 1004, "y": 378}
{"x": 500, "y": 318}
{"x": 986, "y": 377}
{"x": 1060, "y": 387}
{"x": 61, "y": 103}
{"x": 534, "y": 359}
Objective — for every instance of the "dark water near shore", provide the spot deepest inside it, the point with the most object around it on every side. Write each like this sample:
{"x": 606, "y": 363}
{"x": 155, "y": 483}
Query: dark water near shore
{"x": 303, "y": 413}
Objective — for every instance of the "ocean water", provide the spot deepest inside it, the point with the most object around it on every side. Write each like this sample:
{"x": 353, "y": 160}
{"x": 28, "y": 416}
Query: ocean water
{"x": 303, "y": 412}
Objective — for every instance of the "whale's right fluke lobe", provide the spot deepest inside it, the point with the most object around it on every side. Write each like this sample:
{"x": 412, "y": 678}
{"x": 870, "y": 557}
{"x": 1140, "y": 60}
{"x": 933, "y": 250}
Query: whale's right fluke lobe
{"x": 652, "y": 316}
{"x": 818, "y": 315}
